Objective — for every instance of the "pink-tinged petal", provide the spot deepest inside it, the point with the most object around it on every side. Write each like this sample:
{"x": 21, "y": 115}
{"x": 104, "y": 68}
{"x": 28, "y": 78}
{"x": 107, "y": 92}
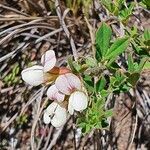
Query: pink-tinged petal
{"x": 48, "y": 60}
{"x": 54, "y": 94}
{"x": 78, "y": 100}
{"x": 68, "y": 83}
{"x": 33, "y": 75}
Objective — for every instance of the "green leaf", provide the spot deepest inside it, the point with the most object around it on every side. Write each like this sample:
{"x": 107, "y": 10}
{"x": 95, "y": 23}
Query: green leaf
{"x": 147, "y": 3}
{"x": 89, "y": 83}
{"x": 91, "y": 62}
{"x": 133, "y": 78}
{"x": 109, "y": 113}
{"x": 126, "y": 12}
{"x": 103, "y": 37}
{"x": 147, "y": 37}
{"x": 142, "y": 63}
{"x": 130, "y": 63}
{"x": 147, "y": 34}
{"x": 146, "y": 65}
{"x": 104, "y": 93}
{"x": 100, "y": 84}
{"x": 118, "y": 47}
{"x": 109, "y": 5}
{"x": 71, "y": 65}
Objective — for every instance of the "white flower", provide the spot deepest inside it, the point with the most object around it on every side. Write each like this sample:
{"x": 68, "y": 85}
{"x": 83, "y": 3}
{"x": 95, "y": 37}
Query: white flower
{"x": 35, "y": 75}
{"x": 77, "y": 101}
{"x": 55, "y": 114}
{"x": 70, "y": 84}
{"x": 54, "y": 94}
{"x": 48, "y": 60}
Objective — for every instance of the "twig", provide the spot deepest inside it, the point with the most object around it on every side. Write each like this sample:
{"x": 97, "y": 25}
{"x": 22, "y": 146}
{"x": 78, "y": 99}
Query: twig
{"x": 7, "y": 24}
{"x": 19, "y": 31}
{"x": 19, "y": 18}
{"x": 63, "y": 24}
{"x": 12, "y": 9}
{"x": 22, "y": 110}
{"x": 8, "y": 36}
{"x": 22, "y": 46}
{"x": 92, "y": 35}
{"x": 54, "y": 140}
{"x": 48, "y": 138}
{"x": 49, "y": 34}
{"x": 36, "y": 6}
{"x": 74, "y": 133}
{"x": 13, "y": 53}
{"x": 9, "y": 122}
{"x": 86, "y": 137}
{"x": 134, "y": 132}
{"x": 21, "y": 25}
{"x": 6, "y": 90}
{"x": 41, "y": 139}
{"x": 34, "y": 36}
{"x": 33, "y": 98}
{"x": 39, "y": 110}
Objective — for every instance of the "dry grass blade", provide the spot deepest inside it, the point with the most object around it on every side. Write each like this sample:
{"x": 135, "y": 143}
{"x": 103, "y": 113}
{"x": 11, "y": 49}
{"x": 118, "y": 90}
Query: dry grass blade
{"x": 12, "y": 9}
{"x": 62, "y": 22}
{"x": 39, "y": 111}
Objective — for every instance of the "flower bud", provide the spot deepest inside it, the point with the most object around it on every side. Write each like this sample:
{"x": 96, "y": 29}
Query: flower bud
{"x": 33, "y": 75}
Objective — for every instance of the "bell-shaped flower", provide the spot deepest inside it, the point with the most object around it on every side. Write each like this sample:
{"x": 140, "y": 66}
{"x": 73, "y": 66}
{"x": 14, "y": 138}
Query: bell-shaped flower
{"x": 36, "y": 75}
{"x": 68, "y": 83}
{"x": 77, "y": 101}
{"x": 54, "y": 94}
{"x": 55, "y": 114}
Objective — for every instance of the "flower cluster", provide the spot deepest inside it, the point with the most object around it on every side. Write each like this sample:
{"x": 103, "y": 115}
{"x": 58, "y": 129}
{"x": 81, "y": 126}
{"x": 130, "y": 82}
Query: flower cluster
{"x": 66, "y": 90}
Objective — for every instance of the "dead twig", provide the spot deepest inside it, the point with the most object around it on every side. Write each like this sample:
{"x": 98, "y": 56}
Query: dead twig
{"x": 50, "y": 34}
{"x": 39, "y": 110}
{"x": 64, "y": 26}
{"x": 134, "y": 132}
{"x": 48, "y": 138}
{"x": 92, "y": 35}
{"x": 13, "y": 10}
{"x": 55, "y": 138}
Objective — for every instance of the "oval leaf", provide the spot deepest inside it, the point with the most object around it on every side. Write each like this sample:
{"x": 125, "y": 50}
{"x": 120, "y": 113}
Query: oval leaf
{"x": 118, "y": 47}
{"x": 103, "y": 37}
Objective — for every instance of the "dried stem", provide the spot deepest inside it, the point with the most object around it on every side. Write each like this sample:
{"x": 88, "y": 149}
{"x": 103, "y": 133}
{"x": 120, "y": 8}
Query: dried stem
{"x": 64, "y": 26}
